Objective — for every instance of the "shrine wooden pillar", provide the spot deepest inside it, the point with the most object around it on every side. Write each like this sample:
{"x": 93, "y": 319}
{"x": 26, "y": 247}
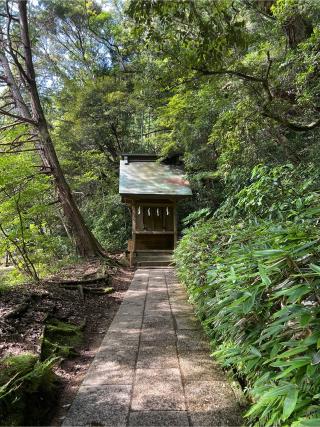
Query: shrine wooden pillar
{"x": 134, "y": 231}
{"x": 175, "y": 224}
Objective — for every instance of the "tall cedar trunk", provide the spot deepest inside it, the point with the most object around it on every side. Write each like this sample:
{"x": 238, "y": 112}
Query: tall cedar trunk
{"x": 86, "y": 243}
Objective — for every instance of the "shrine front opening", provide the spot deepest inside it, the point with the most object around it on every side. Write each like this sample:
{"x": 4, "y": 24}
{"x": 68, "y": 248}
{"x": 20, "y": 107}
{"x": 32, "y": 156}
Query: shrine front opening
{"x": 155, "y": 225}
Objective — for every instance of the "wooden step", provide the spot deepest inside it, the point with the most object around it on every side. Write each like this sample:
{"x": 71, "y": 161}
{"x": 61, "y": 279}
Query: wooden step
{"x": 154, "y": 263}
{"x": 167, "y": 251}
{"x": 154, "y": 258}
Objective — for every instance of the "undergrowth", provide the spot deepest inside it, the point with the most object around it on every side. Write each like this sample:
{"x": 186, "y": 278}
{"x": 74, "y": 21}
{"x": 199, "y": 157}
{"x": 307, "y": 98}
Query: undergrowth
{"x": 25, "y": 385}
{"x": 28, "y": 385}
{"x": 256, "y": 285}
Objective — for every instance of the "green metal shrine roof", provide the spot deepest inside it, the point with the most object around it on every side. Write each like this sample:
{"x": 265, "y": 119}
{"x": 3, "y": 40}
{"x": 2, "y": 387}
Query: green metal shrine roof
{"x": 145, "y": 176}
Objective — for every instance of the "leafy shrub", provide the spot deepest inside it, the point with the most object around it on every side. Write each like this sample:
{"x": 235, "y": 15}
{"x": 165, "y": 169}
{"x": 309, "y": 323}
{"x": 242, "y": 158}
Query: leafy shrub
{"x": 256, "y": 286}
{"x": 110, "y": 221}
{"x": 270, "y": 192}
{"x": 27, "y": 389}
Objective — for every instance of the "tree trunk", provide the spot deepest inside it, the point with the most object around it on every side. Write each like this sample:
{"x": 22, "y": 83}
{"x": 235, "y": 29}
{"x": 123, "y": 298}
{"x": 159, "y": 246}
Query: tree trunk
{"x": 86, "y": 243}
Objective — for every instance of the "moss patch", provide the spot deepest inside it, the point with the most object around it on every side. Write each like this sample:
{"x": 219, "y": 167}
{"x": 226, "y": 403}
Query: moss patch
{"x": 60, "y": 339}
{"x": 27, "y": 384}
{"x": 27, "y": 390}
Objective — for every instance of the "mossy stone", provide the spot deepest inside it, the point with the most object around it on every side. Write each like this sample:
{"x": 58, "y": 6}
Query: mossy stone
{"x": 60, "y": 339}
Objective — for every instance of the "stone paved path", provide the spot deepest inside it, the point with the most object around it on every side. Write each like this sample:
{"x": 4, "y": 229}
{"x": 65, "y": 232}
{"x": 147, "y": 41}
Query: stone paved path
{"x": 153, "y": 367}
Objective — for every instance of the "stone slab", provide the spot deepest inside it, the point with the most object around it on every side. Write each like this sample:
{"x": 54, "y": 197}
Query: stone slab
{"x": 99, "y": 406}
{"x": 108, "y": 374}
{"x": 126, "y": 356}
{"x": 157, "y": 308}
{"x": 157, "y": 296}
{"x": 212, "y": 403}
{"x": 112, "y": 366}
{"x": 158, "y": 321}
{"x": 176, "y": 291}
{"x": 158, "y": 286}
{"x": 159, "y": 335}
{"x": 192, "y": 341}
{"x": 121, "y": 338}
{"x": 158, "y": 390}
{"x": 187, "y": 322}
{"x": 131, "y": 310}
{"x": 158, "y": 419}
{"x": 100, "y": 375}
{"x": 153, "y": 356}
{"x": 182, "y": 308}
{"x": 222, "y": 417}
{"x": 125, "y": 324}
{"x": 176, "y": 302}
{"x": 197, "y": 365}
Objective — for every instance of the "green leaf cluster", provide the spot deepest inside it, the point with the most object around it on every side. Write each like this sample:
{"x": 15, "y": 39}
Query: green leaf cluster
{"x": 255, "y": 279}
{"x": 24, "y": 380}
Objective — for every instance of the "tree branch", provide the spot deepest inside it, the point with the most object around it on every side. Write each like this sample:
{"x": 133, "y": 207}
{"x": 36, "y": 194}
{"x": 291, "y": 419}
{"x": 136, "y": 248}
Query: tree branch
{"x": 266, "y": 79}
{"x": 12, "y": 51}
{"x": 157, "y": 131}
{"x": 222, "y": 72}
{"x": 13, "y": 87}
{"x": 22, "y": 119}
{"x": 19, "y": 151}
{"x": 299, "y": 127}
{"x": 9, "y": 126}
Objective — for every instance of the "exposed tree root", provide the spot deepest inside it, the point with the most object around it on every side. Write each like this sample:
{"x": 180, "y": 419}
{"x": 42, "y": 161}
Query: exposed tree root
{"x": 19, "y": 309}
{"x": 64, "y": 283}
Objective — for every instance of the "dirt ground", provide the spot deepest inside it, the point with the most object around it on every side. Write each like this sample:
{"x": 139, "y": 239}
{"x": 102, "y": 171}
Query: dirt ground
{"x": 22, "y": 332}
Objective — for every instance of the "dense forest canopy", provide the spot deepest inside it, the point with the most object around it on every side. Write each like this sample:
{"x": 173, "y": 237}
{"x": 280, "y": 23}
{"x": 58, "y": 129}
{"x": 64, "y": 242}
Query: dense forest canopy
{"x": 231, "y": 85}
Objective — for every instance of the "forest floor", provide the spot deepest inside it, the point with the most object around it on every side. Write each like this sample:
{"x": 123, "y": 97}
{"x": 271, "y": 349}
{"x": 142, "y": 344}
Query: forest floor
{"x": 25, "y": 309}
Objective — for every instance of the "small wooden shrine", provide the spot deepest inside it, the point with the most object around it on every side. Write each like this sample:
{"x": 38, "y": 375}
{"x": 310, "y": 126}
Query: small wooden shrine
{"x": 151, "y": 189}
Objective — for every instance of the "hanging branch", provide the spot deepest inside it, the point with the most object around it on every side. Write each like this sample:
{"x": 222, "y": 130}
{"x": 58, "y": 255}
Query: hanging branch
{"x": 264, "y": 82}
{"x": 18, "y": 151}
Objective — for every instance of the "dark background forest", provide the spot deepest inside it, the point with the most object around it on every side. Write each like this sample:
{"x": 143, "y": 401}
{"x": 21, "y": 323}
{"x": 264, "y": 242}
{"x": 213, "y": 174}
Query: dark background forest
{"x": 231, "y": 86}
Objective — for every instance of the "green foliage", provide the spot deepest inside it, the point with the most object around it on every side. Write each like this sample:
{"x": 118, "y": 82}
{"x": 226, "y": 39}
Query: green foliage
{"x": 234, "y": 86}
{"x": 216, "y": 32}
{"x": 93, "y": 116}
{"x": 27, "y": 219}
{"x": 60, "y": 339}
{"x": 27, "y": 390}
{"x": 113, "y": 224}
{"x": 255, "y": 281}
{"x": 272, "y": 192}
{"x": 196, "y": 216}
{"x": 237, "y": 89}
{"x": 100, "y": 111}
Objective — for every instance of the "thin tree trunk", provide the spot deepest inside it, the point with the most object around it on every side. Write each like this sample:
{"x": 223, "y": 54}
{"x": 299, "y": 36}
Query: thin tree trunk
{"x": 86, "y": 243}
